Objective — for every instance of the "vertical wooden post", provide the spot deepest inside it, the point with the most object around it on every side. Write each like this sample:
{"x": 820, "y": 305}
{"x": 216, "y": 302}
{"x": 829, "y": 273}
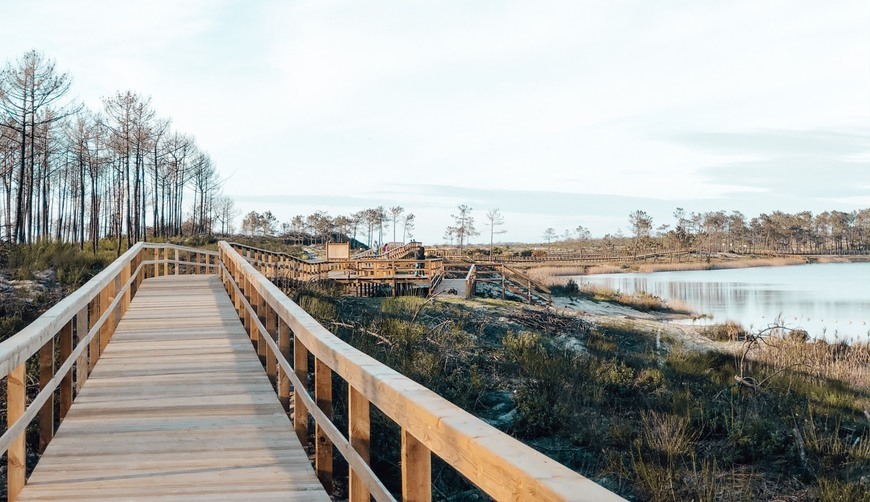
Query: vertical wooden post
{"x": 94, "y": 349}
{"x": 300, "y": 412}
{"x": 176, "y": 261}
{"x": 323, "y": 446}
{"x": 66, "y": 382}
{"x": 416, "y": 469}
{"x": 252, "y": 326}
{"x": 106, "y": 328}
{"x": 165, "y": 260}
{"x": 271, "y": 327}
{"x": 530, "y": 291}
{"x": 82, "y": 363}
{"x": 46, "y": 413}
{"x": 16, "y": 454}
{"x": 156, "y": 262}
{"x": 284, "y": 349}
{"x": 262, "y": 306}
{"x": 360, "y": 436}
{"x": 128, "y": 293}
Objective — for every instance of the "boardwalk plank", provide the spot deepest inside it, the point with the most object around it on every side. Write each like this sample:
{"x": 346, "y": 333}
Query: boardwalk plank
{"x": 177, "y": 408}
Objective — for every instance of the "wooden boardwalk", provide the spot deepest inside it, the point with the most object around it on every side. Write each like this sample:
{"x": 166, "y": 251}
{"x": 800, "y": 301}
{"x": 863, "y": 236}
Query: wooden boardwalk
{"x": 178, "y": 407}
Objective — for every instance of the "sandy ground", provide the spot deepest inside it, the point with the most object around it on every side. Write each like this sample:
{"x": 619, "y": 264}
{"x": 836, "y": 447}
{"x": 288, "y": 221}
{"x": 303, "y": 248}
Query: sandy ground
{"x": 651, "y": 322}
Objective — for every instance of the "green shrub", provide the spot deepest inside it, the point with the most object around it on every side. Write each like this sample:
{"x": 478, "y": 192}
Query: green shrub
{"x": 649, "y": 379}
{"x": 402, "y": 305}
{"x": 522, "y": 347}
{"x": 570, "y": 289}
{"x": 728, "y": 331}
{"x": 320, "y": 309}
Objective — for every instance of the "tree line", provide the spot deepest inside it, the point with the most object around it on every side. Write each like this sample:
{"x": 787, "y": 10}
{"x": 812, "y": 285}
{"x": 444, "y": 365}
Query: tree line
{"x": 828, "y": 232}
{"x": 79, "y": 175}
{"x": 369, "y": 226}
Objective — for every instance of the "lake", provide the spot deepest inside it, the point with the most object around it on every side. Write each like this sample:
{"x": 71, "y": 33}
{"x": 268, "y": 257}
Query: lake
{"x": 830, "y": 300}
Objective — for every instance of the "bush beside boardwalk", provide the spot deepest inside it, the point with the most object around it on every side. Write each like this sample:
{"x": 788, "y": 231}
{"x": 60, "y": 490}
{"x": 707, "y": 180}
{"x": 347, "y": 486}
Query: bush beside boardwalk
{"x": 652, "y": 420}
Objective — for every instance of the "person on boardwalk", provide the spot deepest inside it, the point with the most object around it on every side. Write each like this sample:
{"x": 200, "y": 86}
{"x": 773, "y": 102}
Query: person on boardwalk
{"x": 420, "y": 256}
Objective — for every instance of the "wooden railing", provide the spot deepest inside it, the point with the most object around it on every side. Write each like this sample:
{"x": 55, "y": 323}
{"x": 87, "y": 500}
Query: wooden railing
{"x": 400, "y": 252}
{"x": 276, "y": 265}
{"x": 282, "y": 332}
{"x": 81, "y": 326}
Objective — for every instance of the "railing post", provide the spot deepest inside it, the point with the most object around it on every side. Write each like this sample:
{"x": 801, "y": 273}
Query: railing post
{"x": 82, "y": 363}
{"x": 252, "y": 326}
{"x": 261, "y": 308}
{"x": 300, "y": 413}
{"x": 271, "y": 327}
{"x": 106, "y": 328}
{"x": 156, "y": 262}
{"x": 323, "y": 446}
{"x": 16, "y": 456}
{"x": 284, "y": 349}
{"x": 416, "y": 463}
{"x": 128, "y": 293}
{"x": 46, "y": 373}
{"x": 94, "y": 349}
{"x": 66, "y": 382}
{"x": 176, "y": 261}
{"x": 165, "y": 260}
{"x": 360, "y": 437}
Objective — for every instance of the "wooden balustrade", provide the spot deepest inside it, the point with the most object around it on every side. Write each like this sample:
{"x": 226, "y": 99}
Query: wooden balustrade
{"x": 81, "y": 325}
{"x": 361, "y": 272}
{"x": 500, "y": 465}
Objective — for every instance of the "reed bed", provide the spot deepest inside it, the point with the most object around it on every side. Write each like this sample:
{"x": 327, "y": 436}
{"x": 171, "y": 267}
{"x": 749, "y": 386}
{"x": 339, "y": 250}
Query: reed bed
{"x": 717, "y": 265}
{"x": 639, "y": 300}
{"x": 848, "y": 363}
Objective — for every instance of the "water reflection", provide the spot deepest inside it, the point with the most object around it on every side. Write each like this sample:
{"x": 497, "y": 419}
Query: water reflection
{"x": 828, "y": 300}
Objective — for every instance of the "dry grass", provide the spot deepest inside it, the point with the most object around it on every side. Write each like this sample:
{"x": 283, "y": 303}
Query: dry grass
{"x": 718, "y": 264}
{"x": 639, "y": 300}
{"x": 558, "y": 275}
{"x": 849, "y": 363}
{"x": 554, "y": 276}
{"x": 606, "y": 269}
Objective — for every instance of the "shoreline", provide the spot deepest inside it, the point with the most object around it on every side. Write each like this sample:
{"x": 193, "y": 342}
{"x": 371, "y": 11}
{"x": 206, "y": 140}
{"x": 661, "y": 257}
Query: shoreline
{"x": 556, "y": 275}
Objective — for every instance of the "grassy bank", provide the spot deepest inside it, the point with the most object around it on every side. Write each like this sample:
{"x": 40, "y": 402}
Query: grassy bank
{"x": 643, "y": 416}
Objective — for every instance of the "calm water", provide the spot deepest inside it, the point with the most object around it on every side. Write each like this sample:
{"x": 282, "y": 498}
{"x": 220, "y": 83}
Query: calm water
{"x": 828, "y": 300}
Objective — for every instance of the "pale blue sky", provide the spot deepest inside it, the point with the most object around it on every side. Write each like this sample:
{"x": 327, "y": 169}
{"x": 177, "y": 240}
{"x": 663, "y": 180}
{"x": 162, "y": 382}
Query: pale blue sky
{"x": 559, "y": 113}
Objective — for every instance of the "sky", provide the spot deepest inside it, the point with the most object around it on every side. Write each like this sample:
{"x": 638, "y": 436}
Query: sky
{"x": 558, "y": 113}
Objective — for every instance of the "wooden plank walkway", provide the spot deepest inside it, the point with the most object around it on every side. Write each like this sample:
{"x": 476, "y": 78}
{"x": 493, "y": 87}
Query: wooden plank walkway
{"x": 178, "y": 407}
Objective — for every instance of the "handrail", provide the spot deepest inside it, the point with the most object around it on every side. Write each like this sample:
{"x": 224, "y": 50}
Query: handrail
{"x": 403, "y": 250}
{"x": 91, "y": 313}
{"x": 497, "y": 463}
{"x": 529, "y": 279}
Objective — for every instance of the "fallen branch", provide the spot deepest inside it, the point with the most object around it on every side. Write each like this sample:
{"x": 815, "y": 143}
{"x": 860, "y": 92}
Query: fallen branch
{"x": 362, "y": 330}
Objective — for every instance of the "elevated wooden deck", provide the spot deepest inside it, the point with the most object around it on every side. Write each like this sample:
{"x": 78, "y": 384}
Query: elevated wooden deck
{"x": 178, "y": 407}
